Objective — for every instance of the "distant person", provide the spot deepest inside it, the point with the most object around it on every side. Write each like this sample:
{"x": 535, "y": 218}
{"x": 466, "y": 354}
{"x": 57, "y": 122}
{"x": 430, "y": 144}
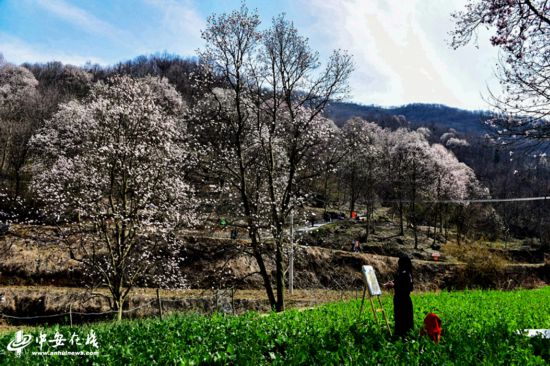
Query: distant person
{"x": 312, "y": 219}
{"x": 357, "y": 246}
{"x": 402, "y": 303}
{"x": 4, "y": 228}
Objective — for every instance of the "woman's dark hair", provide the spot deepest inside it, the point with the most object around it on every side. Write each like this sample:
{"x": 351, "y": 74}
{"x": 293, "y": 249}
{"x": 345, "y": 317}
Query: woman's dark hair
{"x": 404, "y": 264}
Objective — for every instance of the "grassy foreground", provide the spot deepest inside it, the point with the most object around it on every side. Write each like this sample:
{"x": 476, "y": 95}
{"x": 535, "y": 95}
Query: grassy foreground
{"x": 478, "y": 328}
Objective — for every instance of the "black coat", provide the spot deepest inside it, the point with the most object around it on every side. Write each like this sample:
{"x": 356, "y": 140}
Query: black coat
{"x": 402, "y": 304}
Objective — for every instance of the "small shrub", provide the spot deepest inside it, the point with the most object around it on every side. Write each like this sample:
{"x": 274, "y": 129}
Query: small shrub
{"x": 481, "y": 267}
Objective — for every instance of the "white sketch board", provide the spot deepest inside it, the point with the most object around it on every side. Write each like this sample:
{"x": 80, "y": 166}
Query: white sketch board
{"x": 370, "y": 280}
{"x": 543, "y": 333}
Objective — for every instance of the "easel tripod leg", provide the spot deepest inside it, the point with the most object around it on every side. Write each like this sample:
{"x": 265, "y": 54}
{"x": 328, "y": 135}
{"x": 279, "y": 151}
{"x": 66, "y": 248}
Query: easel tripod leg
{"x": 373, "y": 310}
{"x": 384, "y": 314}
{"x": 363, "y": 300}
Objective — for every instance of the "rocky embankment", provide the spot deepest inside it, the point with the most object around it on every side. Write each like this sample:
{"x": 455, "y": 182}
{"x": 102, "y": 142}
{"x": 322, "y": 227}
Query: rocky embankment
{"x": 38, "y": 277}
{"x": 35, "y": 255}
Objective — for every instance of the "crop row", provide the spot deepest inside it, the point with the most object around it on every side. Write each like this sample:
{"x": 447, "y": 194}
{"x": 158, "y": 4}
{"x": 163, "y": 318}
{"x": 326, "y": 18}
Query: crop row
{"x": 479, "y": 327}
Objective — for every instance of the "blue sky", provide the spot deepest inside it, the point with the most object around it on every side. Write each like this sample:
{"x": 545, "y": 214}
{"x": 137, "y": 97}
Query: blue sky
{"x": 400, "y": 47}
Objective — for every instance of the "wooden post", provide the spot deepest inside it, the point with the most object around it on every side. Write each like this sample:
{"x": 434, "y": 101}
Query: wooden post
{"x": 233, "y": 291}
{"x": 71, "y": 314}
{"x": 159, "y": 302}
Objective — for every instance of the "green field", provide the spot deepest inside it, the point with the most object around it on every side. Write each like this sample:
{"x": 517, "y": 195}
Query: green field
{"x": 479, "y": 328}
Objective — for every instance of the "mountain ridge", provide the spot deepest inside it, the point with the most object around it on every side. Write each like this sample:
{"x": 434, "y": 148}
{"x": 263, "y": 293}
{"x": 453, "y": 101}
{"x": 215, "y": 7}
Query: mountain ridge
{"x": 438, "y": 116}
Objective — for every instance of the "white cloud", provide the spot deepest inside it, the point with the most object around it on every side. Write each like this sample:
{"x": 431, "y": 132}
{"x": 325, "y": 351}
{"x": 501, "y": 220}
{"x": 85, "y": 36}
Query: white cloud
{"x": 179, "y": 28}
{"x": 80, "y": 18}
{"x": 171, "y": 25}
{"x": 17, "y": 51}
{"x": 400, "y": 50}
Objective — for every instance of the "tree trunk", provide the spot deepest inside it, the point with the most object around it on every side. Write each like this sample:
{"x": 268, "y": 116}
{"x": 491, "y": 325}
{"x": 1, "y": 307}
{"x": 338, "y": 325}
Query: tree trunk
{"x": 370, "y": 214}
{"x": 325, "y": 194}
{"x": 413, "y": 207}
{"x": 6, "y": 148}
{"x": 441, "y": 222}
{"x": 415, "y": 237}
{"x": 401, "y": 228}
{"x": 17, "y": 182}
{"x": 352, "y": 193}
{"x": 367, "y": 231}
{"x": 119, "y": 313}
{"x": 280, "y": 306}
{"x": 118, "y": 299}
{"x": 370, "y": 224}
{"x": 263, "y": 271}
{"x": 459, "y": 225}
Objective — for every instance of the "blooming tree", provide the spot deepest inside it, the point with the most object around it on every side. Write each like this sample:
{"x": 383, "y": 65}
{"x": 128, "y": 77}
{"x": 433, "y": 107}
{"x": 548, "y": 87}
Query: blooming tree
{"x": 412, "y": 149}
{"x": 265, "y": 129}
{"x": 522, "y": 32}
{"x": 17, "y": 84}
{"x": 394, "y": 171}
{"x": 452, "y": 181}
{"x": 426, "y": 177}
{"x": 116, "y": 163}
{"x": 18, "y": 97}
{"x": 361, "y": 167}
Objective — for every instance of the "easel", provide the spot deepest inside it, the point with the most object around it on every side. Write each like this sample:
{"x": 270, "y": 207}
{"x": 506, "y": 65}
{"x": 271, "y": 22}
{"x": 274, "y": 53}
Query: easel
{"x": 371, "y": 283}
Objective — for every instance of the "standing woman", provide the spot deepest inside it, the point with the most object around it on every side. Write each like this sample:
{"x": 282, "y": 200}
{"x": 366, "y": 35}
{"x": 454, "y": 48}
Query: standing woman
{"x": 402, "y": 303}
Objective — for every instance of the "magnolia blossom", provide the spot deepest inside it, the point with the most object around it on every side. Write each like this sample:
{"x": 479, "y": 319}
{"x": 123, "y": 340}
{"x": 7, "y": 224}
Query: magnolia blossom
{"x": 116, "y": 162}
{"x": 263, "y": 134}
{"x": 18, "y": 95}
{"x": 17, "y": 84}
{"x": 521, "y": 30}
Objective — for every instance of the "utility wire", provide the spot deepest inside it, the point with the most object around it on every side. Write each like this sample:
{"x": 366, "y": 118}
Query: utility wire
{"x": 520, "y": 199}
{"x": 473, "y": 200}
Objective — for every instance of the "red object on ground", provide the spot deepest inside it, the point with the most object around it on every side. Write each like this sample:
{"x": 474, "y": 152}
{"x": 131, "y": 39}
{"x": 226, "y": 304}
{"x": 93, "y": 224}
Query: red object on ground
{"x": 432, "y": 325}
{"x": 353, "y": 214}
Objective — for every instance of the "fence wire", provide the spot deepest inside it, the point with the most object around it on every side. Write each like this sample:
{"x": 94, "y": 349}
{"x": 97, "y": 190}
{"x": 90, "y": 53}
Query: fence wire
{"x": 77, "y": 313}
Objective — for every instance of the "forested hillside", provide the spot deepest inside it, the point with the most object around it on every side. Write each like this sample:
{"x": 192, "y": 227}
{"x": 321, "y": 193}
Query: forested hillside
{"x": 504, "y": 170}
{"x": 437, "y": 116}
{"x": 239, "y": 194}
{"x": 127, "y": 155}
